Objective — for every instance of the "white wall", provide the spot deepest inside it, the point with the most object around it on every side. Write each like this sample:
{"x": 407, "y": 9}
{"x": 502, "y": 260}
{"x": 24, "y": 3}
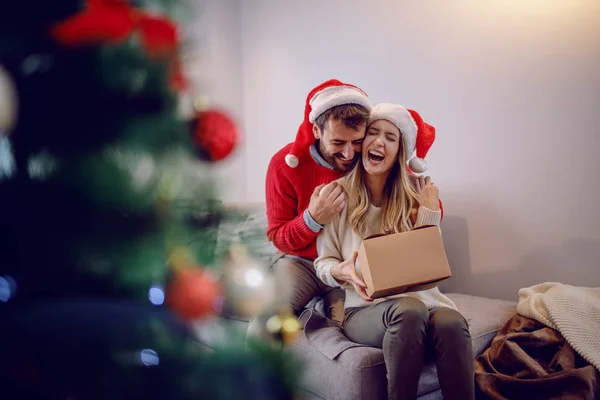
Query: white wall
{"x": 513, "y": 87}
{"x": 214, "y": 66}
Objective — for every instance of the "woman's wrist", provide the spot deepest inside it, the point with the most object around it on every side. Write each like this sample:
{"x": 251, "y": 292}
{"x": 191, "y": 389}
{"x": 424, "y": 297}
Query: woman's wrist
{"x": 431, "y": 206}
{"x": 427, "y": 216}
{"x": 336, "y": 272}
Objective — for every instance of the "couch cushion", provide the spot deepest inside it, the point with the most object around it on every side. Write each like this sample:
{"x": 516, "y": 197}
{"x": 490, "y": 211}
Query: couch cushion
{"x": 484, "y": 315}
{"x": 356, "y": 371}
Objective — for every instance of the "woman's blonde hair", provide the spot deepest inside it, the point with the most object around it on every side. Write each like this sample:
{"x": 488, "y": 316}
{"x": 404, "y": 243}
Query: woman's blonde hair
{"x": 400, "y": 196}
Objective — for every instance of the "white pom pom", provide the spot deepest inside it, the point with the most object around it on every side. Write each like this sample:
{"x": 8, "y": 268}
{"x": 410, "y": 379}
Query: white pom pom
{"x": 418, "y": 165}
{"x": 291, "y": 160}
{"x": 8, "y": 102}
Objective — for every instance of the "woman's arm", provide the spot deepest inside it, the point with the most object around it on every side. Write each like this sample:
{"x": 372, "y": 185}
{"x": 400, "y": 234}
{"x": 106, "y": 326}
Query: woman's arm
{"x": 330, "y": 265}
{"x": 330, "y": 252}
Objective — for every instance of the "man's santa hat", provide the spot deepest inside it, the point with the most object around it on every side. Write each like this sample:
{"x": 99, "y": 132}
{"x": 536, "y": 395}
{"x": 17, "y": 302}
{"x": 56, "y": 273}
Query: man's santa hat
{"x": 329, "y": 94}
{"x": 416, "y": 133}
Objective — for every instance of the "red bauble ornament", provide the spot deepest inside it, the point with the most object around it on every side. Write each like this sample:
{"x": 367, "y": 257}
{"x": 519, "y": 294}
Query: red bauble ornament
{"x": 193, "y": 293}
{"x": 215, "y": 134}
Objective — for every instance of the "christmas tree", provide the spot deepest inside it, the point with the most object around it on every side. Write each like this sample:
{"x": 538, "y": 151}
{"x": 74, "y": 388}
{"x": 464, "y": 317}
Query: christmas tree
{"x": 109, "y": 217}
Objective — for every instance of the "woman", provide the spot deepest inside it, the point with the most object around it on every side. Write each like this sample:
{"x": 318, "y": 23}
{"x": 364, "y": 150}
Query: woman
{"x": 381, "y": 197}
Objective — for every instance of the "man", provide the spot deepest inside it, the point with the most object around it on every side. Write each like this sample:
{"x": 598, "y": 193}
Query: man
{"x": 301, "y": 195}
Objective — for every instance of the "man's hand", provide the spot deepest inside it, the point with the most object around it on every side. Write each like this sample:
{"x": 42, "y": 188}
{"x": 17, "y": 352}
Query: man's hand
{"x": 346, "y": 272}
{"x": 326, "y": 202}
{"x": 429, "y": 194}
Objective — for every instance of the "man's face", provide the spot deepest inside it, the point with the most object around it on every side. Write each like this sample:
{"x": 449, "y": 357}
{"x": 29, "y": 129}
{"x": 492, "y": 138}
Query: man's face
{"x": 339, "y": 145}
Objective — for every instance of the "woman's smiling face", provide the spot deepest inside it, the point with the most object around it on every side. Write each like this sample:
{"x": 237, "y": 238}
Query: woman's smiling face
{"x": 381, "y": 147}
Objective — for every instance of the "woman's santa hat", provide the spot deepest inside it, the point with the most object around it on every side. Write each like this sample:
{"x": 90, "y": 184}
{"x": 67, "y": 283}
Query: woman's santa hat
{"x": 416, "y": 133}
{"x": 329, "y": 94}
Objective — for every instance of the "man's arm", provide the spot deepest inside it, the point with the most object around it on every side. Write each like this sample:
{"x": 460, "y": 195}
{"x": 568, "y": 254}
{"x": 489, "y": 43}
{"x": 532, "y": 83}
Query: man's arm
{"x": 286, "y": 228}
{"x": 418, "y": 182}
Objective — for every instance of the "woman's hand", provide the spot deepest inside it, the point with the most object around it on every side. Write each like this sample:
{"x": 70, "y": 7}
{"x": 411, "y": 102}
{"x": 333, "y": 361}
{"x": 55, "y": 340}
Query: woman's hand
{"x": 346, "y": 272}
{"x": 429, "y": 194}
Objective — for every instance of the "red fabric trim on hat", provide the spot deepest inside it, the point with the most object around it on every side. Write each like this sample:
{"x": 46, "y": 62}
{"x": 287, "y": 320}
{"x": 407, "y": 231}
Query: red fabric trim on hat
{"x": 425, "y": 135}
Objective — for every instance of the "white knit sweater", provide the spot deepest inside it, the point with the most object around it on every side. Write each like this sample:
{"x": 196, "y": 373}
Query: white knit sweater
{"x": 337, "y": 241}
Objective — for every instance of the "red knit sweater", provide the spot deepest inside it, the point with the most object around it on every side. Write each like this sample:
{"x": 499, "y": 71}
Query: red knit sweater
{"x": 288, "y": 193}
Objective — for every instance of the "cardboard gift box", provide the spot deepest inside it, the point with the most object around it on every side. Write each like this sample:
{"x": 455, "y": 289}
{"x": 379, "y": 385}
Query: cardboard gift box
{"x": 403, "y": 262}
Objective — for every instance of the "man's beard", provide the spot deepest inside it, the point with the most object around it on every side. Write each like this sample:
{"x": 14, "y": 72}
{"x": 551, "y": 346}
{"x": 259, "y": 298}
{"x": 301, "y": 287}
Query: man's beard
{"x": 347, "y": 167}
{"x": 334, "y": 160}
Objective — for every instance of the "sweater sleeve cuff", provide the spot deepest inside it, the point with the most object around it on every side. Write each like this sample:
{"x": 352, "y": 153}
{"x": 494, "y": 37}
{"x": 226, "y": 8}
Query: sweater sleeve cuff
{"x": 326, "y": 276}
{"x": 425, "y": 217}
{"x": 311, "y": 223}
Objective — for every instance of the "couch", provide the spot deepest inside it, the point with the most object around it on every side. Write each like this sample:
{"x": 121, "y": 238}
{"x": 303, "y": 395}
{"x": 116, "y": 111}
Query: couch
{"x": 348, "y": 370}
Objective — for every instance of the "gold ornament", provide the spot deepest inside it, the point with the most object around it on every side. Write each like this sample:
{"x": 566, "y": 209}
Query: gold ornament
{"x": 274, "y": 325}
{"x": 284, "y": 326}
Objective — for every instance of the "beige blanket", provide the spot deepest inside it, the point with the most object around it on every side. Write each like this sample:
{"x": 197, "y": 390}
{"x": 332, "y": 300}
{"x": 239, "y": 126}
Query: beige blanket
{"x": 571, "y": 310}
